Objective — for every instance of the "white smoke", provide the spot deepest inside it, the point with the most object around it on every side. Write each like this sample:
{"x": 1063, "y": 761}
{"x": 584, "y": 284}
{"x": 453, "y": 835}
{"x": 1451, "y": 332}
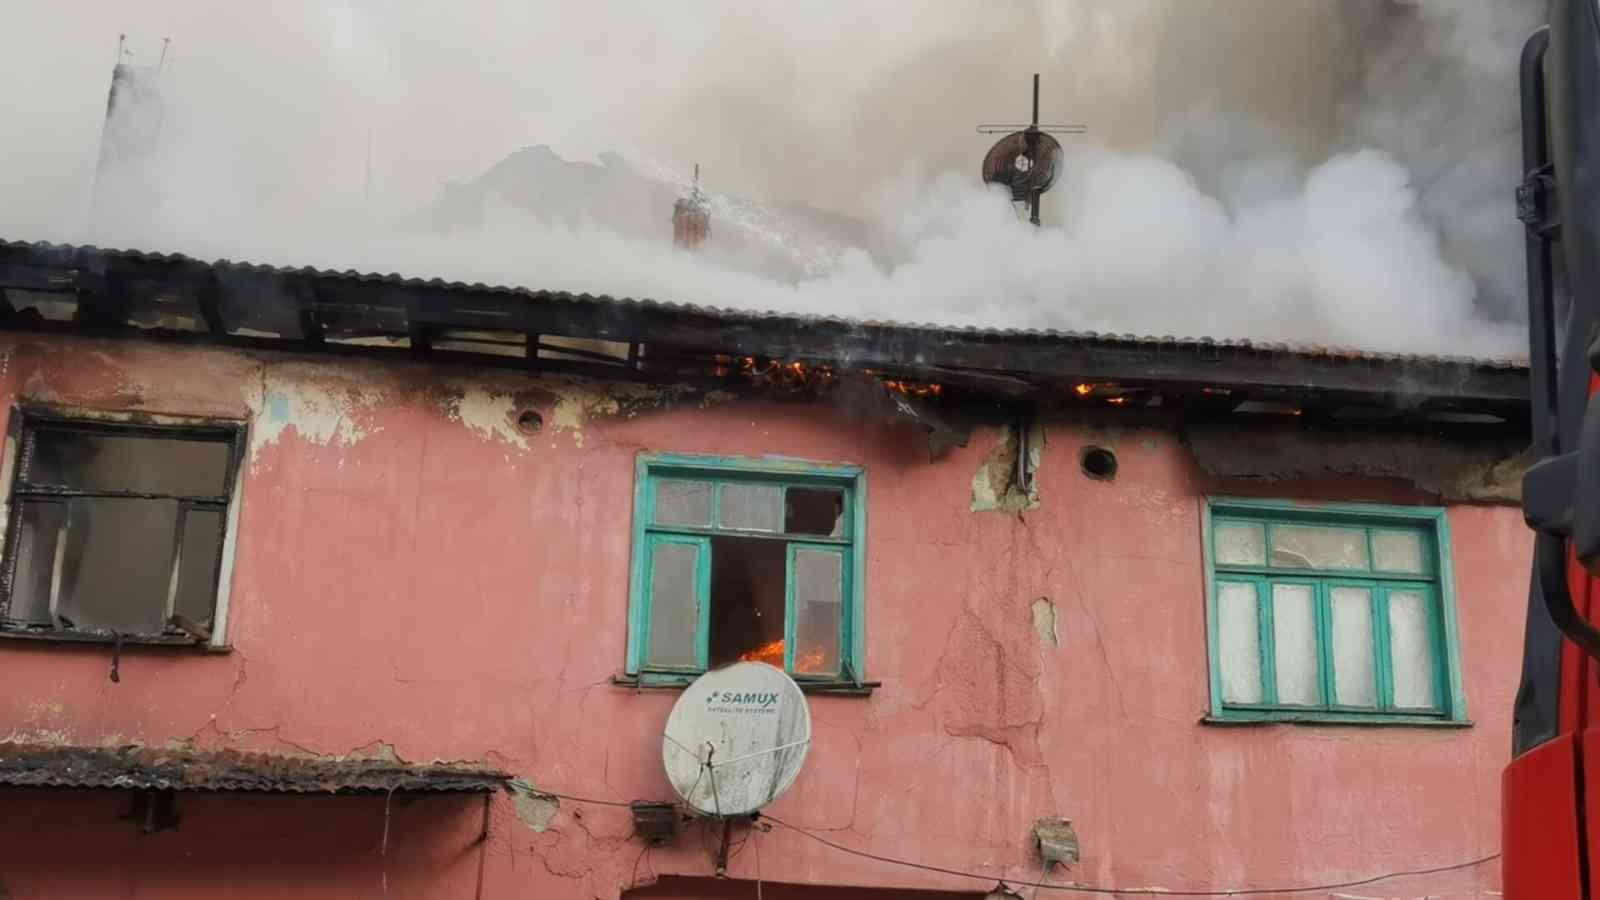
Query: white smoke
{"x": 1333, "y": 172}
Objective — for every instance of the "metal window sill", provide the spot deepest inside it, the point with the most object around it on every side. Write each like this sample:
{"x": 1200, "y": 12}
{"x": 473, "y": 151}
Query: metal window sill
{"x": 678, "y": 683}
{"x": 1237, "y": 720}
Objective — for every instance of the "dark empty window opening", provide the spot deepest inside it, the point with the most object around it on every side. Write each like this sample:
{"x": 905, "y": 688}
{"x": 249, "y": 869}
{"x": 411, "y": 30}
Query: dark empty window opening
{"x": 744, "y": 566}
{"x": 747, "y": 599}
{"x": 117, "y": 529}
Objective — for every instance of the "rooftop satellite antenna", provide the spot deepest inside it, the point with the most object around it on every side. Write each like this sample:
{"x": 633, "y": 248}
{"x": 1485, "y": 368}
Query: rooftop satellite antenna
{"x": 1027, "y": 158}
{"x": 736, "y": 739}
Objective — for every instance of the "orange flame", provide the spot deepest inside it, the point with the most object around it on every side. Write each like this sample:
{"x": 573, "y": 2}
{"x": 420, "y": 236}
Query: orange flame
{"x": 1084, "y": 390}
{"x": 771, "y": 653}
{"x": 913, "y": 388}
{"x": 811, "y": 661}
{"x": 792, "y": 375}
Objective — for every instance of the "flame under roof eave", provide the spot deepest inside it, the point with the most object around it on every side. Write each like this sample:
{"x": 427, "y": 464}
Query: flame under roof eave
{"x": 232, "y": 293}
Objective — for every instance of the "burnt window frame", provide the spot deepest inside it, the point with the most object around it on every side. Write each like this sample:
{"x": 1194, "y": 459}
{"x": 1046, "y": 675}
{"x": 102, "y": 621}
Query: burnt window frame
{"x": 27, "y": 419}
{"x": 652, "y": 468}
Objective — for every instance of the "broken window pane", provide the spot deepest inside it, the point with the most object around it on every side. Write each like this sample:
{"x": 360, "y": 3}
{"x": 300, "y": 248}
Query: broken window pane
{"x": 818, "y": 606}
{"x": 1316, "y": 547}
{"x": 1410, "y": 650}
{"x": 197, "y": 566}
{"x": 674, "y": 605}
{"x": 814, "y": 511}
{"x": 117, "y": 565}
{"x": 93, "y": 461}
{"x": 747, "y": 600}
{"x": 1354, "y": 683}
{"x": 1239, "y": 636}
{"x": 1398, "y": 551}
{"x": 683, "y": 502}
{"x": 1294, "y": 636}
{"x": 1240, "y": 544}
{"x": 752, "y": 507}
{"x": 36, "y": 561}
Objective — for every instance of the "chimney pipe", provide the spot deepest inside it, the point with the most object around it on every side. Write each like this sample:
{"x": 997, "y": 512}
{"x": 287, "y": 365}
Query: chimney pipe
{"x": 691, "y": 218}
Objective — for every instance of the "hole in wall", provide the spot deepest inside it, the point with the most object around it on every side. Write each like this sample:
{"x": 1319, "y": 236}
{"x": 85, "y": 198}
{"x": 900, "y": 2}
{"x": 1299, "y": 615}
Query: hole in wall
{"x": 1098, "y": 463}
{"x": 529, "y": 422}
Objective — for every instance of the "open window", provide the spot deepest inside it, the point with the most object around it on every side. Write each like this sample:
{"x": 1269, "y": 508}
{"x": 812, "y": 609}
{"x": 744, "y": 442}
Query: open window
{"x": 746, "y": 560}
{"x": 116, "y": 529}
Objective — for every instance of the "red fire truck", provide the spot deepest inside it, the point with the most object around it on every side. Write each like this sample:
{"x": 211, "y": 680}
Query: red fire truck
{"x": 1551, "y": 789}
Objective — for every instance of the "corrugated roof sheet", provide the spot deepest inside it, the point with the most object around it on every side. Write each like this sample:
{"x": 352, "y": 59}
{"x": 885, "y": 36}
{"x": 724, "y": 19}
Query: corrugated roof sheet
{"x": 150, "y": 768}
{"x": 88, "y": 256}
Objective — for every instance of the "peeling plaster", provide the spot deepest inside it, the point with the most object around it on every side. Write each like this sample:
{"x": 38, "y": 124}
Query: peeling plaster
{"x": 994, "y": 484}
{"x": 56, "y": 737}
{"x": 579, "y": 403}
{"x": 536, "y": 810}
{"x": 320, "y": 414}
{"x": 490, "y": 414}
{"x": 1044, "y": 621}
{"x": 1454, "y": 467}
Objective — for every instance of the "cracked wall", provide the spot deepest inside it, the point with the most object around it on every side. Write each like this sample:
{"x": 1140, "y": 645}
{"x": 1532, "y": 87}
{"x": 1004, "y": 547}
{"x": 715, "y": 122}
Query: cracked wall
{"x": 416, "y": 576}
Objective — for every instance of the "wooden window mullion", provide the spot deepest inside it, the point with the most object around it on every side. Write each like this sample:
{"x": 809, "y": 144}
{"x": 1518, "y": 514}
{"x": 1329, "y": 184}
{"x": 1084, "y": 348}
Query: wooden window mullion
{"x": 1380, "y": 640}
{"x": 1268, "y": 642}
{"x": 1322, "y": 607}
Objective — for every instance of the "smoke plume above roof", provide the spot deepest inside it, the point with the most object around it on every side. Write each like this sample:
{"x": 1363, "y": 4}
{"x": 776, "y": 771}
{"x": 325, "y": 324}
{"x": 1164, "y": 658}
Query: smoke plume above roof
{"x": 1336, "y": 171}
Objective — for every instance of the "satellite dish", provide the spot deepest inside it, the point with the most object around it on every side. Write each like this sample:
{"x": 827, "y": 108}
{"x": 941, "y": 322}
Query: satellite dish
{"x": 736, "y": 739}
{"x": 1025, "y": 161}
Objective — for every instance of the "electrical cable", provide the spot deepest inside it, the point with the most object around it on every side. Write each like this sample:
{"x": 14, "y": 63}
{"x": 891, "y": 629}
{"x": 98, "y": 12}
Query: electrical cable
{"x": 1136, "y": 892}
{"x": 1044, "y": 869}
{"x": 754, "y": 837}
{"x": 540, "y": 792}
{"x": 1082, "y": 889}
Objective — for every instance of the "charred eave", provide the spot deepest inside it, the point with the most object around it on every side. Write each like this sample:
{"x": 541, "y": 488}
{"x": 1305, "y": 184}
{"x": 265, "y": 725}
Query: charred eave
{"x": 263, "y": 307}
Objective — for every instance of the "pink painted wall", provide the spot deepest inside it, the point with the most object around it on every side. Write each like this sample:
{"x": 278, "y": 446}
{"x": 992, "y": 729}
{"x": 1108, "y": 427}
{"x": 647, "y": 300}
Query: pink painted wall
{"x": 415, "y": 576}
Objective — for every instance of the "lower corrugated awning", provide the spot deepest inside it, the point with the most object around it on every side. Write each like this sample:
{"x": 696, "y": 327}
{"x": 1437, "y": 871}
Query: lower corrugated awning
{"x": 156, "y": 769}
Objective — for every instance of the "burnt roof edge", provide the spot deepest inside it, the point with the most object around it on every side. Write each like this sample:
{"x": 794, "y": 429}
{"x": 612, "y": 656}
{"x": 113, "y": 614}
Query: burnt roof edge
{"x": 225, "y": 289}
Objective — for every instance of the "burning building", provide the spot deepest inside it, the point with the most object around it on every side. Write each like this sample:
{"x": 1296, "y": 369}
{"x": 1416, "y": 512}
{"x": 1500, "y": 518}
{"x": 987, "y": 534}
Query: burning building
{"x": 343, "y": 584}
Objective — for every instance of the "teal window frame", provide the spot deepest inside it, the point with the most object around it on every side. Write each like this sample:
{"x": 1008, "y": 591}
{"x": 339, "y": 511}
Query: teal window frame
{"x": 1436, "y": 584}
{"x": 779, "y": 472}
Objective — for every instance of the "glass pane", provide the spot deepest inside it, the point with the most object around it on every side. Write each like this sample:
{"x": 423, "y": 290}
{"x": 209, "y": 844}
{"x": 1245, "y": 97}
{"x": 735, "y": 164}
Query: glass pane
{"x": 813, "y": 511}
{"x": 752, "y": 507}
{"x": 1410, "y": 650}
{"x": 197, "y": 567}
{"x": 1315, "y": 547}
{"x": 818, "y": 605}
{"x": 683, "y": 502}
{"x": 1354, "y": 682}
{"x": 116, "y": 569}
{"x": 674, "y": 605}
{"x": 1398, "y": 551}
{"x": 1240, "y": 544}
{"x": 1239, "y": 642}
{"x": 89, "y": 461}
{"x": 36, "y": 562}
{"x": 1294, "y": 636}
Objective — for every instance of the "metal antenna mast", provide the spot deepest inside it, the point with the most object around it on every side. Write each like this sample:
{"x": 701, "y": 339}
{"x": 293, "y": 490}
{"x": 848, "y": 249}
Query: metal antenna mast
{"x": 1025, "y": 160}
